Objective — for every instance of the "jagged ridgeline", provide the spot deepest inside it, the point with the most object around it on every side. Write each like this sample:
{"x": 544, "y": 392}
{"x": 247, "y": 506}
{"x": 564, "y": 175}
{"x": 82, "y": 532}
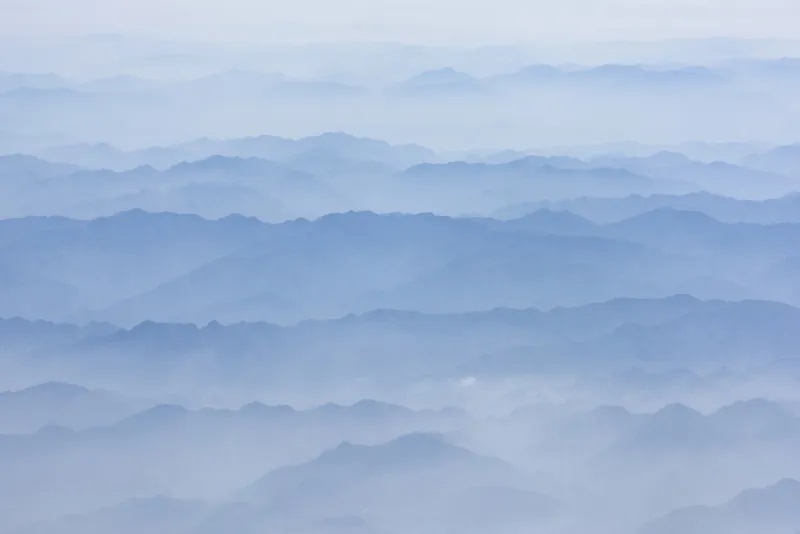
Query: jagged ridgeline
{"x": 256, "y": 287}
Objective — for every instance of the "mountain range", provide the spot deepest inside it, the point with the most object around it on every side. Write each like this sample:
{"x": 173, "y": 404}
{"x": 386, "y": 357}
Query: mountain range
{"x": 376, "y": 288}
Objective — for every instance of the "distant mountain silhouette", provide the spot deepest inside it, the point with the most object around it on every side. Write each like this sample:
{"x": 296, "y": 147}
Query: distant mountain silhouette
{"x": 441, "y": 81}
{"x": 783, "y": 160}
{"x": 552, "y": 222}
{"x": 298, "y": 154}
{"x": 774, "y": 509}
{"x": 715, "y": 177}
{"x": 421, "y": 473}
{"x": 605, "y": 210}
{"x": 10, "y": 81}
{"x": 61, "y": 404}
{"x": 162, "y": 514}
{"x": 23, "y": 167}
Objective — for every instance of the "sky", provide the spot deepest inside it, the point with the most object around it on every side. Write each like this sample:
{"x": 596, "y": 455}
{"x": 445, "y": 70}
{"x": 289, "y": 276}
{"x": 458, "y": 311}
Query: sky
{"x": 411, "y": 21}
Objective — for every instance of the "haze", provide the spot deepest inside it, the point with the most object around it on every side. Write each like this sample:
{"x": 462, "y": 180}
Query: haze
{"x": 392, "y": 267}
{"x": 410, "y": 21}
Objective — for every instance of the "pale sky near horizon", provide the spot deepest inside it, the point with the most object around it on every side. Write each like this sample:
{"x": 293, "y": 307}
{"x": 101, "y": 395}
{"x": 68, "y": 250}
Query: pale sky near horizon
{"x": 422, "y": 21}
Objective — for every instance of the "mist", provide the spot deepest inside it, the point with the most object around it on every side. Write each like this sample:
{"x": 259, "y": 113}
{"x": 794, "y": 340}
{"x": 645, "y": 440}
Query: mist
{"x": 398, "y": 267}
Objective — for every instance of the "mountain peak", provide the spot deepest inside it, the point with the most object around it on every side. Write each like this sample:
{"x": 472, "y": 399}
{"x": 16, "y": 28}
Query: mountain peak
{"x": 55, "y": 390}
